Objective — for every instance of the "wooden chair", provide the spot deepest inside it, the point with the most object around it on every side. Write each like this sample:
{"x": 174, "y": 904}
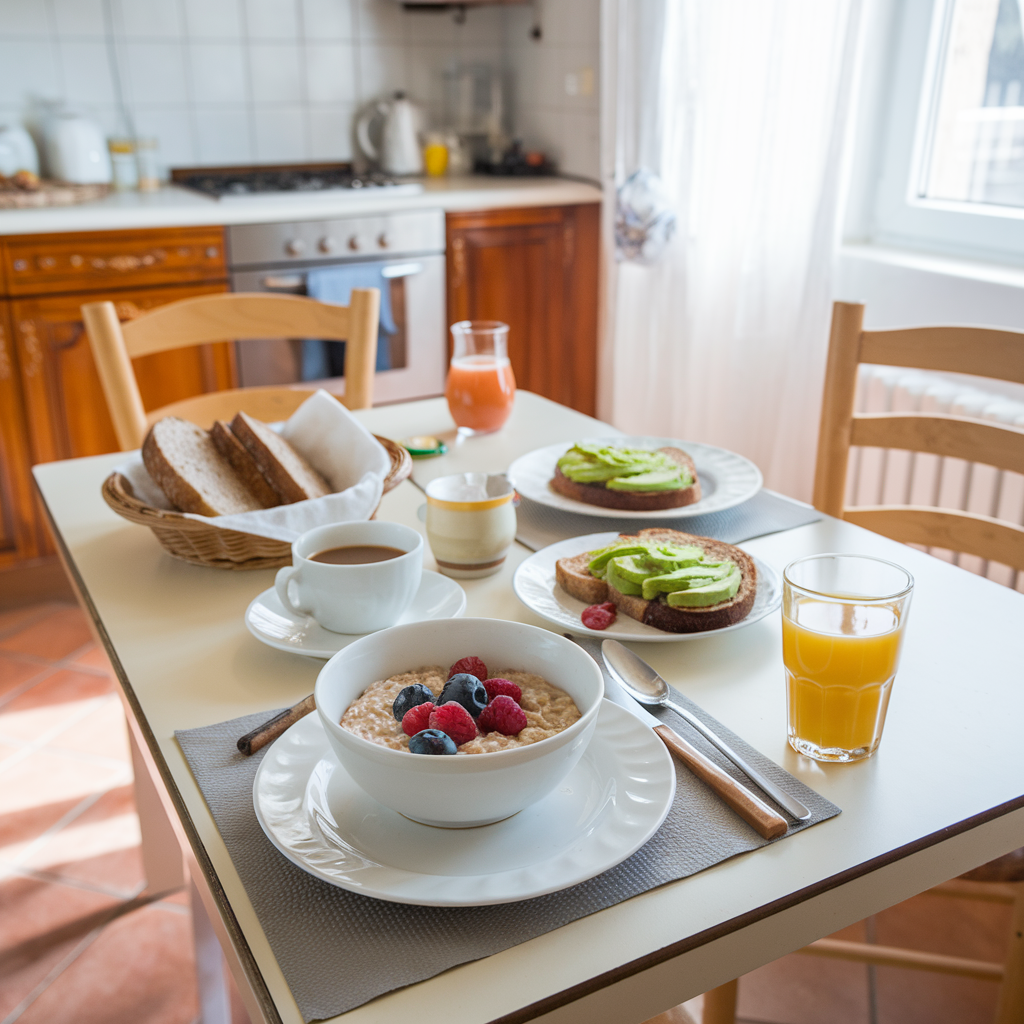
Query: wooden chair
{"x": 972, "y": 350}
{"x": 212, "y": 318}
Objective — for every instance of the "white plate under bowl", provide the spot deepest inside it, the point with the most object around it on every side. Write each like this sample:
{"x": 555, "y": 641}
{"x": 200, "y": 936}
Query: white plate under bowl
{"x": 270, "y": 622}
{"x": 726, "y": 479}
{"x": 535, "y": 585}
{"x": 608, "y": 806}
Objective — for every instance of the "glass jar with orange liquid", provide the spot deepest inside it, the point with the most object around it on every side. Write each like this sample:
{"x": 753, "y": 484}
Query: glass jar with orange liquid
{"x": 843, "y": 618}
{"x": 481, "y": 387}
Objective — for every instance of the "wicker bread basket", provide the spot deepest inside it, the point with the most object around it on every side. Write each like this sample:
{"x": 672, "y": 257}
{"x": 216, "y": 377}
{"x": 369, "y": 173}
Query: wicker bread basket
{"x": 202, "y": 544}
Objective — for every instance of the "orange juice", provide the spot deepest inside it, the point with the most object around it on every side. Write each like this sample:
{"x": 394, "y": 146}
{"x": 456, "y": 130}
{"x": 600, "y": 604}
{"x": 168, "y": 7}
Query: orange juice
{"x": 840, "y": 662}
{"x": 480, "y": 391}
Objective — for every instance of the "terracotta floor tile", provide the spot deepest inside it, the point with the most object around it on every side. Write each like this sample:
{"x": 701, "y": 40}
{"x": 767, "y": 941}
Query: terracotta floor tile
{"x": 15, "y": 672}
{"x": 94, "y": 657}
{"x": 19, "y": 828}
{"x": 99, "y": 847}
{"x": 14, "y": 619}
{"x": 16, "y": 982}
{"x": 55, "y": 636}
{"x": 921, "y": 997}
{"x": 805, "y": 990}
{"x": 139, "y": 969}
{"x": 102, "y": 732}
{"x": 56, "y": 700}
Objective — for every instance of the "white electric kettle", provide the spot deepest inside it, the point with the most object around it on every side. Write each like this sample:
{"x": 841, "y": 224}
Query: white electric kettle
{"x": 17, "y": 151}
{"x": 399, "y": 150}
{"x": 76, "y": 150}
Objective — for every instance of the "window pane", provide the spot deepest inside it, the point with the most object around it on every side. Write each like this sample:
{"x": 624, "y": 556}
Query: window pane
{"x": 977, "y": 151}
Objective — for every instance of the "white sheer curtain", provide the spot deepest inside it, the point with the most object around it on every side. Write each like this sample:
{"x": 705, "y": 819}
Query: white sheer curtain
{"x": 740, "y": 106}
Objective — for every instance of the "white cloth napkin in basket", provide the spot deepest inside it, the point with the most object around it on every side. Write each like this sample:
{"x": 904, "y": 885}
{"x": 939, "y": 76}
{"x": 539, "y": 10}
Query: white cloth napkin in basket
{"x": 352, "y": 460}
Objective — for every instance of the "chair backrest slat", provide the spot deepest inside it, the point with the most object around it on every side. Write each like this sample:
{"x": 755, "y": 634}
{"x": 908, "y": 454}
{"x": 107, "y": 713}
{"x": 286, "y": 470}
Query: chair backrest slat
{"x": 955, "y": 437}
{"x": 980, "y": 351}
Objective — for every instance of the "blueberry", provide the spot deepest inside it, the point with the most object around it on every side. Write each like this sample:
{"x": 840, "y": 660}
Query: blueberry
{"x": 431, "y": 741}
{"x": 466, "y": 690}
{"x": 409, "y": 698}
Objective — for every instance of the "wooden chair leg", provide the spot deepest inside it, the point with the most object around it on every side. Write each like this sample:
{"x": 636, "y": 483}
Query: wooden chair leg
{"x": 720, "y": 1004}
{"x": 1011, "y": 994}
{"x": 677, "y": 1015}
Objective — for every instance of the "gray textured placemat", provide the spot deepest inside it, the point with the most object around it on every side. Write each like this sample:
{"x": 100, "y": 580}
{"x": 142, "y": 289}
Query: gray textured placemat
{"x": 767, "y": 512}
{"x": 338, "y": 949}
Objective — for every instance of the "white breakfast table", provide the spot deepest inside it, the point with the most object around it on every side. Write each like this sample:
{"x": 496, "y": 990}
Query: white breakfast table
{"x": 944, "y": 794}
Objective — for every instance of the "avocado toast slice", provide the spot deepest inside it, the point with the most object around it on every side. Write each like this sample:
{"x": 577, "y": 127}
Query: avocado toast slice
{"x": 645, "y": 491}
{"x": 721, "y": 560}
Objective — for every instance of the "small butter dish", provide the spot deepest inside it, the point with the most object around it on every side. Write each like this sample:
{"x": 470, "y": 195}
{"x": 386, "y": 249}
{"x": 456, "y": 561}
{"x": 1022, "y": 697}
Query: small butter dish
{"x": 424, "y": 447}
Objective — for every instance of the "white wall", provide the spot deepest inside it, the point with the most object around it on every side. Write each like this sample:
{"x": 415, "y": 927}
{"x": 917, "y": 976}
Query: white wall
{"x": 238, "y": 81}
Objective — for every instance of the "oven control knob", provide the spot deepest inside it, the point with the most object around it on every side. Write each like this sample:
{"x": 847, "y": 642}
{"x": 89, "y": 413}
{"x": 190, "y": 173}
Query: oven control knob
{"x": 295, "y": 247}
{"x": 353, "y": 242}
{"x": 326, "y": 244}
{"x": 383, "y": 240}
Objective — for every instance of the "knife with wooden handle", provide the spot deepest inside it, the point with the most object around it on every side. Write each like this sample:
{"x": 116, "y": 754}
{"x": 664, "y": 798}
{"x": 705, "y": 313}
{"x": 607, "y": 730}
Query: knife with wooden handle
{"x": 754, "y": 811}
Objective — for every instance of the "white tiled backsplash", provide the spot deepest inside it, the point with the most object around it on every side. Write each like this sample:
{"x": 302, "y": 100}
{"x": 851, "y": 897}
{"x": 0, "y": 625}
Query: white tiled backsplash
{"x": 241, "y": 81}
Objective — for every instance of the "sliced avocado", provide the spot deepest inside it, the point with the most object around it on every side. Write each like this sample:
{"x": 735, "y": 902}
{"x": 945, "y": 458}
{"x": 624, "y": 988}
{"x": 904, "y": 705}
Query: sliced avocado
{"x": 622, "y": 585}
{"x": 635, "y": 568}
{"x": 590, "y": 463}
{"x": 583, "y": 470}
{"x": 668, "y": 557}
{"x": 686, "y": 579}
{"x": 712, "y": 593}
{"x": 656, "y": 480}
{"x": 597, "y": 564}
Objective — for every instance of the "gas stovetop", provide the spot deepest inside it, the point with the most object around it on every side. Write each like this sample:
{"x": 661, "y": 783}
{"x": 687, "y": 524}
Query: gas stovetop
{"x": 288, "y": 179}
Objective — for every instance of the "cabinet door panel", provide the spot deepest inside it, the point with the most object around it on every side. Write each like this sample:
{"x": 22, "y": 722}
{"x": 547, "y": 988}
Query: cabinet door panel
{"x": 17, "y": 511}
{"x": 66, "y": 410}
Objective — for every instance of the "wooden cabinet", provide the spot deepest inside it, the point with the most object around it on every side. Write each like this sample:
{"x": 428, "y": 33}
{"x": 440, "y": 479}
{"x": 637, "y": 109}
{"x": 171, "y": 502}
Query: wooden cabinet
{"x": 51, "y": 402}
{"x": 537, "y": 270}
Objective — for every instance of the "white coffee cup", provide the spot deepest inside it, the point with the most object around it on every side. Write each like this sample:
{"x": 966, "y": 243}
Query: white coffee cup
{"x": 357, "y": 598}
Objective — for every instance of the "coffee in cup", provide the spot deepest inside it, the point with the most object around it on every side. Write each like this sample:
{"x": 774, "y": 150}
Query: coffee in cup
{"x": 339, "y": 577}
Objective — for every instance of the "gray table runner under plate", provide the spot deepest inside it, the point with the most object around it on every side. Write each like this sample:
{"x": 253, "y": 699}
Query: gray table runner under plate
{"x": 338, "y": 949}
{"x": 767, "y": 512}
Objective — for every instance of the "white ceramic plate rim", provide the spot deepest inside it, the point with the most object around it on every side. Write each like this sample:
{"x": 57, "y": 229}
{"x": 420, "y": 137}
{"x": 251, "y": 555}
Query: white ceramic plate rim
{"x": 535, "y": 585}
{"x": 735, "y": 479}
{"x": 645, "y": 784}
{"x": 313, "y": 649}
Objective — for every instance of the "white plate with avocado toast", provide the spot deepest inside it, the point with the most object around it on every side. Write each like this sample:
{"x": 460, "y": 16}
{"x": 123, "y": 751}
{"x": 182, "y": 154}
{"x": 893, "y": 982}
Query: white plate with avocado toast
{"x": 726, "y": 479}
{"x": 535, "y": 584}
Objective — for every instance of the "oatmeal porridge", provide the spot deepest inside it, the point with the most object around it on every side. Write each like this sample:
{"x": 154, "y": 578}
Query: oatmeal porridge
{"x": 549, "y": 710}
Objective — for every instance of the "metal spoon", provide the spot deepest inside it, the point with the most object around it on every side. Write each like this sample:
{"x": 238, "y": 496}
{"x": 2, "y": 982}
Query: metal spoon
{"x": 642, "y": 683}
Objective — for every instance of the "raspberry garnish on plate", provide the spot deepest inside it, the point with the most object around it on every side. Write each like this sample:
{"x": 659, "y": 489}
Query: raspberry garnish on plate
{"x": 599, "y": 616}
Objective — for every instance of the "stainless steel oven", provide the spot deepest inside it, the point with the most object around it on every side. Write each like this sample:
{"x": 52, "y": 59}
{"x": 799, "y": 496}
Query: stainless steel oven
{"x": 403, "y": 251}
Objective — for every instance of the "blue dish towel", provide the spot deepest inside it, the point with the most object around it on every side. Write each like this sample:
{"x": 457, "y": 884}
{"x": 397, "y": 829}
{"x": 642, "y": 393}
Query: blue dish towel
{"x": 334, "y": 284}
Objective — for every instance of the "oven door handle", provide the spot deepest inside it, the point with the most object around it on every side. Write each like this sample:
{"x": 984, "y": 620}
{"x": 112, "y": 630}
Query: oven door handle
{"x": 393, "y": 270}
{"x": 284, "y": 282}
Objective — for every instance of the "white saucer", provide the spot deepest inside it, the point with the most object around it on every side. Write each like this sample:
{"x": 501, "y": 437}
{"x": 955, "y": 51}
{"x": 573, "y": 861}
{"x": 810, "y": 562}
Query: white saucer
{"x": 608, "y": 806}
{"x": 270, "y": 622}
{"x": 726, "y": 479}
{"x": 535, "y": 585}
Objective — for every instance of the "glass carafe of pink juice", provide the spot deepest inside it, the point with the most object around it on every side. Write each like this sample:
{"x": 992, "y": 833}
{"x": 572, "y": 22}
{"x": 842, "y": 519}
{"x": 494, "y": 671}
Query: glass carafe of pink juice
{"x": 481, "y": 387}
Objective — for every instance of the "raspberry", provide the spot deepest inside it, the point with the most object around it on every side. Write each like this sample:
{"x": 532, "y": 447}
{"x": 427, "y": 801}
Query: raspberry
{"x": 503, "y": 715}
{"x": 416, "y": 718}
{"x": 474, "y": 666}
{"x": 455, "y": 720}
{"x": 497, "y": 687}
{"x": 599, "y": 616}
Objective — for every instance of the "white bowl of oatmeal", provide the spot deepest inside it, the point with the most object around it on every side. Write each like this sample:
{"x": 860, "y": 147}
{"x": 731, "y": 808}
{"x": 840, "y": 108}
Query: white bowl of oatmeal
{"x": 490, "y": 778}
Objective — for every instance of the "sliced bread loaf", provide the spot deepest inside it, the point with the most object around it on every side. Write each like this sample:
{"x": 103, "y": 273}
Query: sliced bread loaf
{"x": 575, "y": 579}
{"x": 184, "y": 462}
{"x": 243, "y": 463}
{"x": 633, "y": 501}
{"x": 287, "y": 472}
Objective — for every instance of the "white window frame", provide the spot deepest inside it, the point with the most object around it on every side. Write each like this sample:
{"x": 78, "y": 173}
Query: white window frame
{"x": 896, "y": 215}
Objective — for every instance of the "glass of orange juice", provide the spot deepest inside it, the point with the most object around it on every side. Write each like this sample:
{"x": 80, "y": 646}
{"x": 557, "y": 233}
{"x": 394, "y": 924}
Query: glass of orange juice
{"x": 481, "y": 386}
{"x": 843, "y": 618}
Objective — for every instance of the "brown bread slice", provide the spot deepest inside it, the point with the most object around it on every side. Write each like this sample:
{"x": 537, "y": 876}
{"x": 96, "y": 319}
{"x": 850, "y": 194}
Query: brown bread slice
{"x": 243, "y": 463}
{"x": 574, "y": 578}
{"x": 287, "y": 472}
{"x": 632, "y": 501}
{"x": 184, "y": 462}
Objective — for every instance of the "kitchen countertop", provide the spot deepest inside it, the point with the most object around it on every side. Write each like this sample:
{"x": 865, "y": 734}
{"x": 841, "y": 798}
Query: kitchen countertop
{"x": 177, "y": 207}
